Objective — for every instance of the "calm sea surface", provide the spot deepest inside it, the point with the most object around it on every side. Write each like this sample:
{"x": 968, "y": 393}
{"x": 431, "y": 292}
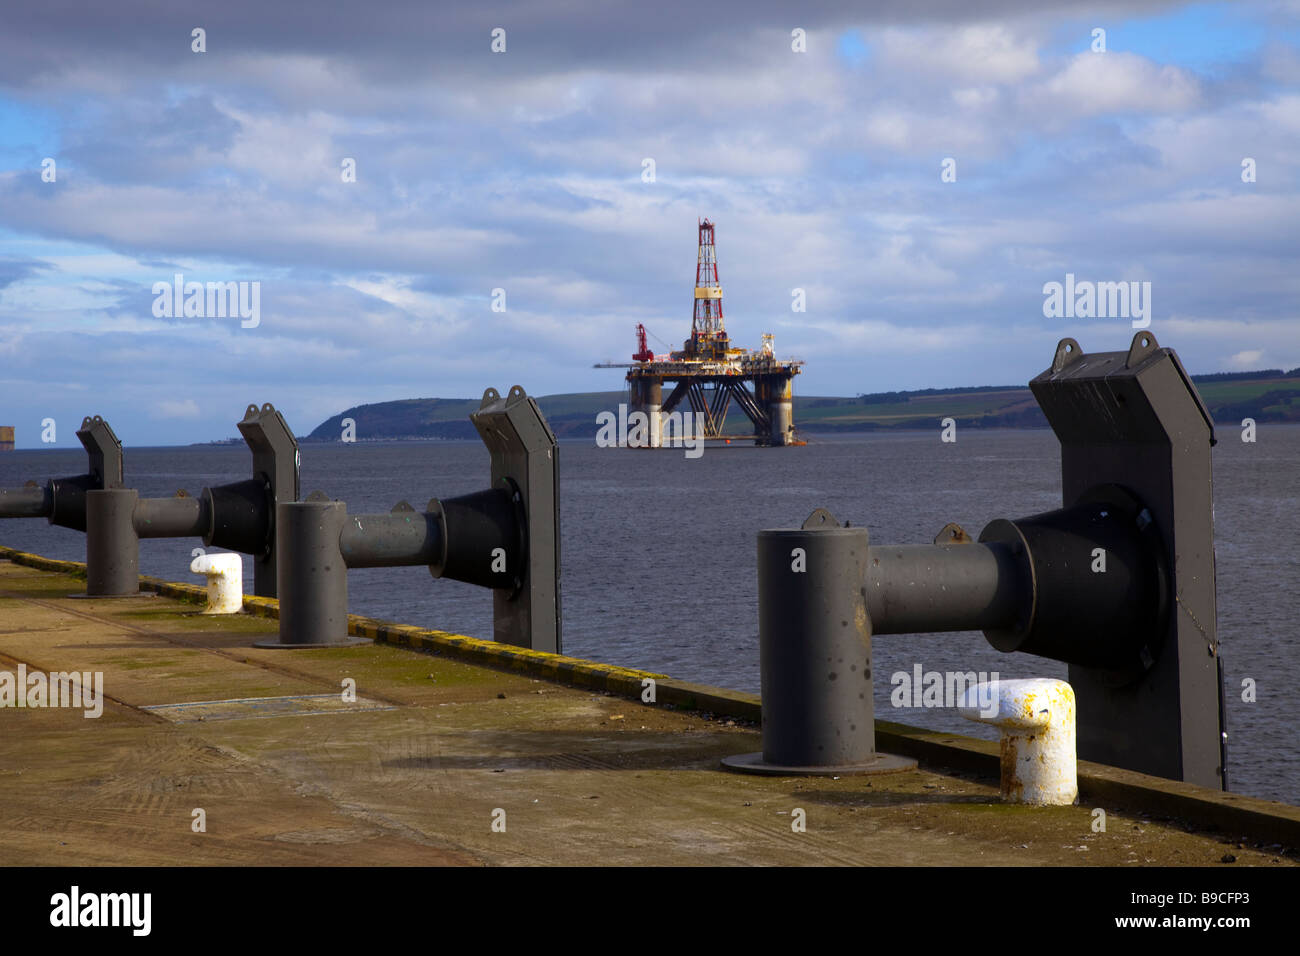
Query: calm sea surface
{"x": 659, "y": 551}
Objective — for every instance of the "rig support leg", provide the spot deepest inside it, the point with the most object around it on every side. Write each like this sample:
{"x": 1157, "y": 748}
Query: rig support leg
{"x": 648, "y": 398}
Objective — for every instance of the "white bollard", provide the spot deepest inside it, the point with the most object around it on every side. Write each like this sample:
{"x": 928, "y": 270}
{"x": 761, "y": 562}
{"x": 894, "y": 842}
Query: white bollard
{"x": 225, "y": 574}
{"x": 1036, "y": 717}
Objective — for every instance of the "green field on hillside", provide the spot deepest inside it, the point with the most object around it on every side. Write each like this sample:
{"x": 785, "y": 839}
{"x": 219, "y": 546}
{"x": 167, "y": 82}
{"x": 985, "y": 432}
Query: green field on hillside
{"x": 1270, "y": 397}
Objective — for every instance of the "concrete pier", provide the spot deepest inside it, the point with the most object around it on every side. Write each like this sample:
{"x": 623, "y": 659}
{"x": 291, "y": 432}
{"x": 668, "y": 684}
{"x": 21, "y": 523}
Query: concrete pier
{"x": 436, "y": 748}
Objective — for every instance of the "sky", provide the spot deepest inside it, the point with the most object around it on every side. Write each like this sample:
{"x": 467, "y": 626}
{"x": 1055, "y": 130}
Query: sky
{"x": 815, "y": 136}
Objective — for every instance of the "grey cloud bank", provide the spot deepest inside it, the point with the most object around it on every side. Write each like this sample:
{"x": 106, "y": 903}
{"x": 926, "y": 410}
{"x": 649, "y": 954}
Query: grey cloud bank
{"x": 522, "y": 171}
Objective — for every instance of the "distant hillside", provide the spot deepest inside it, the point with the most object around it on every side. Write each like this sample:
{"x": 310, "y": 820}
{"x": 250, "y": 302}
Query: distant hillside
{"x": 570, "y": 416}
{"x": 1271, "y": 395}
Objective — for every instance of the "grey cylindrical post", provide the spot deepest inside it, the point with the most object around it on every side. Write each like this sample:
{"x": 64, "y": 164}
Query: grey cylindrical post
{"x": 30, "y": 502}
{"x": 918, "y": 588}
{"x": 815, "y": 654}
{"x": 172, "y": 517}
{"x": 391, "y": 541}
{"x": 112, "y": 548}
{"x": 311, "y": 576}
{"x": 815, "y": 648}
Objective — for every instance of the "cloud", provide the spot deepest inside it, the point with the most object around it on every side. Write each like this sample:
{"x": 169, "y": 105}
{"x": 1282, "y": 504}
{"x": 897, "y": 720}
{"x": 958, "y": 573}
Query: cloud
{"x": 1249, "y": 359}
{"x": 523, "y": 171}
{"x": 1117, "y": 82}
{"x": 13, "y": 269}
{"x": 981, "y": 53}
{"x": 183, "y": 408}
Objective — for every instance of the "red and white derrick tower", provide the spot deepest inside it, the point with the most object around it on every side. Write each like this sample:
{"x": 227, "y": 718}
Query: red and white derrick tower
{"x": 707, "y": 326}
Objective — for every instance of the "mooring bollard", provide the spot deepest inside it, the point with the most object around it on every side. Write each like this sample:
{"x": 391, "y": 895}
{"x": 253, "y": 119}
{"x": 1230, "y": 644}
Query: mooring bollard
{"x": 1118, "y": 582}
{"x": 225, "y": 581}
{"x": 239, "y": 516}
{"x": 1036, "y": 718}
{"x": 313, "y": 578}
{"x": 62, "y": 501}
{"x": 505, "y": 538}
{"x": 815, "y": 655}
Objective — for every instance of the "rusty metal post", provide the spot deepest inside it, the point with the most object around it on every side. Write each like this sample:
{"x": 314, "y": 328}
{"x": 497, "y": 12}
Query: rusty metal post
{"x": 1036, "y": 721}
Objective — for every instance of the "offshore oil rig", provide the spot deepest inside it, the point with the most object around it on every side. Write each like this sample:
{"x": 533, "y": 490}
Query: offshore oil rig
{"x": 710, "y": 374}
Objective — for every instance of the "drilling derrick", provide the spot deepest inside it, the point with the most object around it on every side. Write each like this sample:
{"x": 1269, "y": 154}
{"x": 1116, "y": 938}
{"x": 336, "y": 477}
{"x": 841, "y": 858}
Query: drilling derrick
{"x": 709, "y": 374}
{"x": 708, "y": 339}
